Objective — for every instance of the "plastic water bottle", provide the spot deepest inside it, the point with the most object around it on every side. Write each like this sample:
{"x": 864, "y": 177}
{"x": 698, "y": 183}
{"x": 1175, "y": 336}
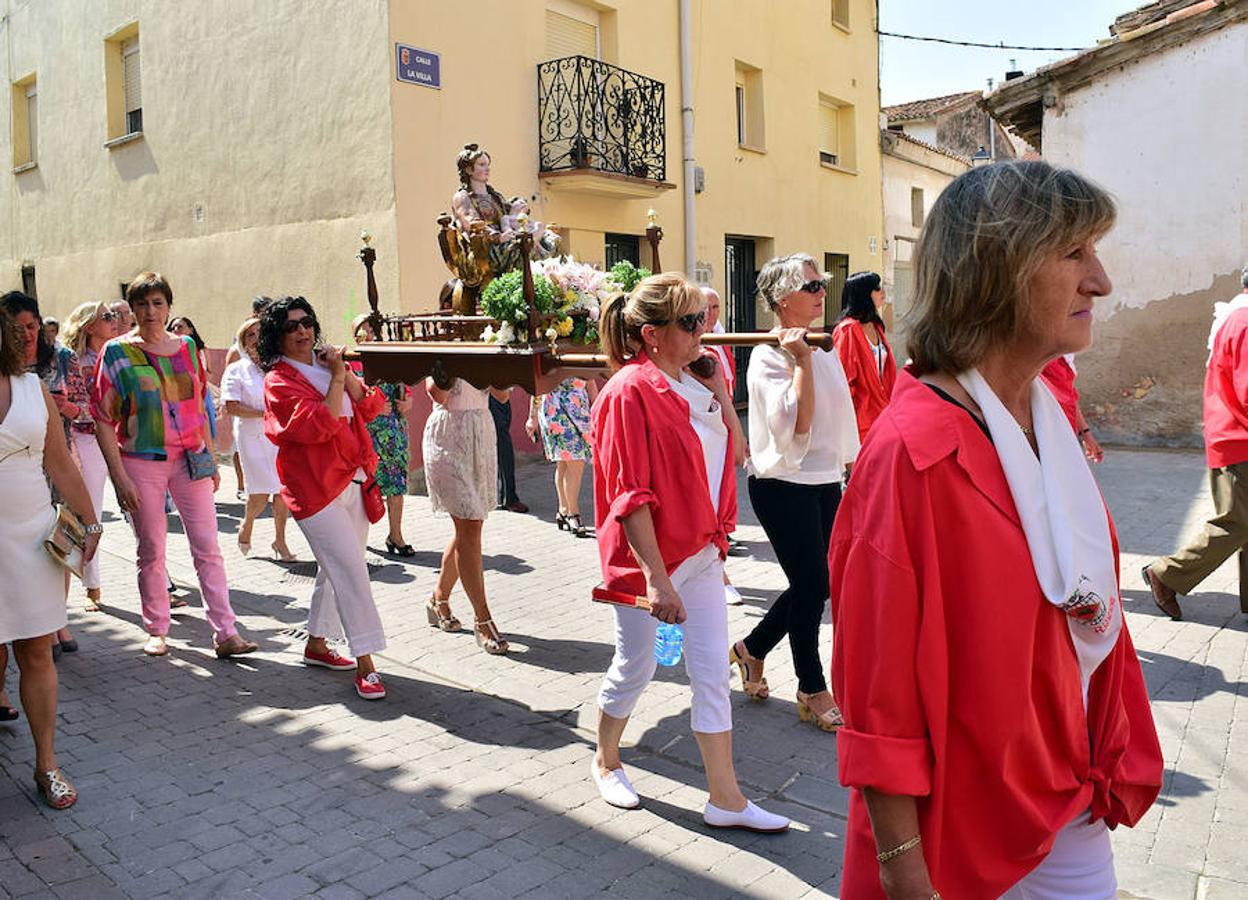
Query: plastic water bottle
{"x": 668, "y": 641}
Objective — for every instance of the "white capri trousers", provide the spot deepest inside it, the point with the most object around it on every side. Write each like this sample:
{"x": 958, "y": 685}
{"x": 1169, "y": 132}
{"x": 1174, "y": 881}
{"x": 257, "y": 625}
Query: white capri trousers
{"x": 700, "y": 582}
{"x": 1079, "y": 867}
{"x": 342, "y": 599}
{"x": 95, "y": 476}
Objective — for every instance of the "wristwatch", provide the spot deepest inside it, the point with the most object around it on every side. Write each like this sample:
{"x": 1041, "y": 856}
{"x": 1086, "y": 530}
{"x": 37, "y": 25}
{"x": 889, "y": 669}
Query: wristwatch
{"x": 93, "y": 528}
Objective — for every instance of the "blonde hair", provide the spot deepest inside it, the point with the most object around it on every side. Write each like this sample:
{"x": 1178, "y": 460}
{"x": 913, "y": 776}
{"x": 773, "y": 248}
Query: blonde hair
{"x": 656, "y": 300}
{"x": 74, "y": 335}
{"x": 984, "y": 239}
{"x": 241, "y": 334}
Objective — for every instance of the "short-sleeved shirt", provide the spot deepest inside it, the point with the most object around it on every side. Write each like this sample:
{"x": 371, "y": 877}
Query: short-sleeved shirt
{"x": 155, "y": 402}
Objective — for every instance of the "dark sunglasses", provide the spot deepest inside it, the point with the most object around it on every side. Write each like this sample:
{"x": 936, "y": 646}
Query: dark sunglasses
{"x": 308, "y": 322}
{"x": 107, "y": 316}
{"x": 690, "y": 323}
{"x": 812, "y": 287}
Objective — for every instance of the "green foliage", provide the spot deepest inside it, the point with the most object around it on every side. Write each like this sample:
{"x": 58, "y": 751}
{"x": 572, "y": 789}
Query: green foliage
{"x": 626, "y": 275}
{"x": 503, "y": 298}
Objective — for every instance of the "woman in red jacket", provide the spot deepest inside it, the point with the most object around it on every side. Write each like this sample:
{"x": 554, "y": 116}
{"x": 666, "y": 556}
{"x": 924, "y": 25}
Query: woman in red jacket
{"x": 996, "y": 718}
{"x": 665, "y": 499}
{"x": 316, "y": 411}
{"x": 865, "y": 355}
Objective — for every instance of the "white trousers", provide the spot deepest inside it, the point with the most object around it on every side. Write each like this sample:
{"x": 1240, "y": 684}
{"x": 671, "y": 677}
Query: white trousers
{"x": 1079, "y": 867}
{"x": 700, "y": 582}
{"x": 342, "y": 600}
{"x": 95, "y": 474}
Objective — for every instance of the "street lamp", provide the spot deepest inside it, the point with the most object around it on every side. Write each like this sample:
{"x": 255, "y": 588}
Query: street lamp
{"x": 981, "y": 157}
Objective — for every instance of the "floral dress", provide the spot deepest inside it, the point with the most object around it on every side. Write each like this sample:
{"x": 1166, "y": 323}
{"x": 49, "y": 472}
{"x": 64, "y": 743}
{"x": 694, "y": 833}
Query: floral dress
{"x": 564, "y": 417}
{"x": 389, "y": 433}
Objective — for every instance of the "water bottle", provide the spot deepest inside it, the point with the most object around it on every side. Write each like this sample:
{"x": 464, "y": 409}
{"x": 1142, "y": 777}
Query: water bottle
{"x": 668, "y": 640}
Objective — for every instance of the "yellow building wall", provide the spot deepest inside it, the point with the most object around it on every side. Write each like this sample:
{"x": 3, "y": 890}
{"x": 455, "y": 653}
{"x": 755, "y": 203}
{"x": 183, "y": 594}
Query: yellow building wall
{"x": 266, "y": 150}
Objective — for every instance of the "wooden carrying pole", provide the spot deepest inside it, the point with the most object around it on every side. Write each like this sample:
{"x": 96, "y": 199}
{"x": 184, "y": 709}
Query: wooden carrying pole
{"x": 819, "y": 339}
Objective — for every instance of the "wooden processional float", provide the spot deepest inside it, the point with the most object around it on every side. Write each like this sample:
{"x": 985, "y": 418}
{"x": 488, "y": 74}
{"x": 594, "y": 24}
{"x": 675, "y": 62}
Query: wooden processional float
{"x": 447, "y": 346}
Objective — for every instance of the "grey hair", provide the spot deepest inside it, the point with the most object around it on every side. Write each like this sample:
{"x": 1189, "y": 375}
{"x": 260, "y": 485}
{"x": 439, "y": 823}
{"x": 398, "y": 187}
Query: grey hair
{"x": 782, "y": 276}
{"x": 1243, "y": 278}
{"x": 708, "y": 291}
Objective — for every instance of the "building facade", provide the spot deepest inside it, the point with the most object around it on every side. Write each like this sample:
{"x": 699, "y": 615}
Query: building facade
{"x": 242, "y": 150}
{"x": 1155, "y": 116}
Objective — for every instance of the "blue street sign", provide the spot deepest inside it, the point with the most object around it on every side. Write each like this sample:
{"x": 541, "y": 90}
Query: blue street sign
{"x": 414, "y": 66}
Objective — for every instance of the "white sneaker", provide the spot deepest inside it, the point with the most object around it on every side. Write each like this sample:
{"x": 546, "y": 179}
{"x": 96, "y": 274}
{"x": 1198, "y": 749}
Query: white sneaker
{"x": 732, "y": 595}
{"x": 752, "y": 818}
{"x": 615, "y": 787}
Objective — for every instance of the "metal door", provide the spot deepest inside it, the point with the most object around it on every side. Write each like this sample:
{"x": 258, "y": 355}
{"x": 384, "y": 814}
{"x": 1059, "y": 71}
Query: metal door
{"x": 740, "y": 280}
{"x": 836, "y": 266}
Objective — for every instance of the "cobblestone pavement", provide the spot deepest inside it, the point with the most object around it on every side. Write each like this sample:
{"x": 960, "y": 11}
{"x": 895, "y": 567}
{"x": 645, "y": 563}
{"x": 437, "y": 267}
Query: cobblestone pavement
{"x": 260, "y": 778}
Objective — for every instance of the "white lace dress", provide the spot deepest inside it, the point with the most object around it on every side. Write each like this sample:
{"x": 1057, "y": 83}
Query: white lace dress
{"x": 461, "y": 461}
{"x": 32, "y": 586}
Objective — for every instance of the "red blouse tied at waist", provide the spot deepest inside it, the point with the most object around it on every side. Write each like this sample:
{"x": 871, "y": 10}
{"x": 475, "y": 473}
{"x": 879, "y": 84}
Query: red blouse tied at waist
{"x": 318, "y": 455}
{"x": 1060, "y": 378}
{"x": 957, "y": 679}
{"x": 646, "y": 453}
{"x": 870, "y": 388}
{"x": 1226, "y": 394}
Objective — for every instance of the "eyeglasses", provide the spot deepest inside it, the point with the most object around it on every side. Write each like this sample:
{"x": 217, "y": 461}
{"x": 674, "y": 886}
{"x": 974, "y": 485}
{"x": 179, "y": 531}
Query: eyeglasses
{"x": 690, "y": 323}
{"x": 308, "y": 322}
{"x": 812, "y": 287}
{"x": 107, "y": 316}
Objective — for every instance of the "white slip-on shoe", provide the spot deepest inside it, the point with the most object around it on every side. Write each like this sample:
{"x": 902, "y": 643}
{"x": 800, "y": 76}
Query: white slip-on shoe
{"x": 615, "y": 787}
{"x": 732, "y": 595}
{"x": 752, "y": 818}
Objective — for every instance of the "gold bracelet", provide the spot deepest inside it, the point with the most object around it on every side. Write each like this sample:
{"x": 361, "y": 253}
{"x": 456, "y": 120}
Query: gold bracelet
{"x": 899, "y": 849}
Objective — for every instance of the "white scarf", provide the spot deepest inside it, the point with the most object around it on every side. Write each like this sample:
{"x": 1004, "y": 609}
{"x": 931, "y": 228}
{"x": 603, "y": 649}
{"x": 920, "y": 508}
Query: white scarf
{"x": 1063, "y": 518}
{"x": 1222, "y": 310}
{"x": 320, "y": 377}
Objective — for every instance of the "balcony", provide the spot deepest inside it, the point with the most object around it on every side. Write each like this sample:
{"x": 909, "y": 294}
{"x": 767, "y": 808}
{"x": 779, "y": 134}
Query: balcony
{"x": 601, "y": 129}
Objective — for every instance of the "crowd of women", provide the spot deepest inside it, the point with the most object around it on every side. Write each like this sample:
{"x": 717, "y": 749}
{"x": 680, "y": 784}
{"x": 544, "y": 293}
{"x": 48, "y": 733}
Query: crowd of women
{"x": 990, "y": 738}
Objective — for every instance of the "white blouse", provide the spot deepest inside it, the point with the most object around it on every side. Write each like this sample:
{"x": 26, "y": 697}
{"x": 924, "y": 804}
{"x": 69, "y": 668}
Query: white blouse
{"x": 820, "y": 455}
{"x": 320, "y": 377}
{"x": 243, "y": 382}
{"x": 707, "y": 418}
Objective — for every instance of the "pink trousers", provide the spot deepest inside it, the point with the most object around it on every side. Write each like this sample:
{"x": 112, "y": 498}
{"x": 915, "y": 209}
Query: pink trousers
{"x": 198, "y": 510}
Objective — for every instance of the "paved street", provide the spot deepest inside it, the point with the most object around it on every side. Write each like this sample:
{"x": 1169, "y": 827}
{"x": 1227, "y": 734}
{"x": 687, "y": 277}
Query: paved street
{"x": 260, "y": 778}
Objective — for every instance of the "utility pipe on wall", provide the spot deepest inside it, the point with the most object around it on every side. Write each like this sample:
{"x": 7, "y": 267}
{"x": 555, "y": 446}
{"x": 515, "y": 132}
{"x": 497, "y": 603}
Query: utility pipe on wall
{"x": 686, "y": 134}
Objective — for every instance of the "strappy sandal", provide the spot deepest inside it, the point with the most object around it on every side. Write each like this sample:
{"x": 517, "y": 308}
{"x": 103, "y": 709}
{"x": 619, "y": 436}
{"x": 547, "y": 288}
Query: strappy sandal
{"x": 757, "y": 691}
{"x": 56, "y": 789}
{"x": 433, "y": 610}
{"x": 826, "y": 721}
{"x": 575, "y": 526}
{"x": 93, "y": 601}
{"x": 489, "y": 639}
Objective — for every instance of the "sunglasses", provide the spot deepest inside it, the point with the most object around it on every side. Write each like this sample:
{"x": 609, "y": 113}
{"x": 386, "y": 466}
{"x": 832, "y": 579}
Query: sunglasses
{"x": 690, "y": 323}
{"x": 107, "y": 316}
{"x": 308, "y": 322}
{"x": 812, "y": 287}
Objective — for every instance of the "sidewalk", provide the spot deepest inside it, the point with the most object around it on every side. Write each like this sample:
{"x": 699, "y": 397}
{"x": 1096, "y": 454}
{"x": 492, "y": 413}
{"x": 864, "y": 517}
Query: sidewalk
{"x": 260, "y": 778}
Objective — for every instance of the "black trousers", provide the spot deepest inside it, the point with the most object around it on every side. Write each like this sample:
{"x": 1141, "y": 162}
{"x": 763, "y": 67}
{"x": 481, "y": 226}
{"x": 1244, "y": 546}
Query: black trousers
{"x": 506, "y": 453}
{"x": 798, "y": 521}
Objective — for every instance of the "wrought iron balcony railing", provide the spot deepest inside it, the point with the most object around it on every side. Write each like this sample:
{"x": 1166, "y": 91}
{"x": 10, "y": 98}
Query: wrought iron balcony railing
{"x": 593, "y": 115}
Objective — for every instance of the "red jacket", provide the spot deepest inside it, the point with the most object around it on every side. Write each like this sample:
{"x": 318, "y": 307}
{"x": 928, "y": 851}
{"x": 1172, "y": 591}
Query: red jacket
{"x": 317, "y": 455}
{"x": 1060, "y": 378}
{"x": 1226, "y": 394}
{"x": 870, "y": 391}
{"x": 957, "y": 678}
{"x": 646, "y": 452}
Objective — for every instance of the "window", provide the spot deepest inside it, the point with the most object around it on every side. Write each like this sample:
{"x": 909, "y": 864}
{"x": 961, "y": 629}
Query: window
{"x": 25, "y": 121}
{"x": 836, "y": 266}
{"x": 749, "y": 106}
{"x": 617, "y": 247}
{"x": 840, "y": 13}
{"x": 572, "y": 30}
{"x": 123, "y": 86}
{"x": 28, "y": 282}
{"x": 836, "y": 133}
{"x": 917, "y": 210}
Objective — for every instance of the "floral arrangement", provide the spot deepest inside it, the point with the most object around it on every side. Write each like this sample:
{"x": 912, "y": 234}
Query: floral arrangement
{"x": 567, "y": 294}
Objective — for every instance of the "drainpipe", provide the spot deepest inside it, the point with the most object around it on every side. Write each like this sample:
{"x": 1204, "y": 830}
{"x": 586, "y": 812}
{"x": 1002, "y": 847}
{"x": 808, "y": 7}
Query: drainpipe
{"x": 686, "y": 134}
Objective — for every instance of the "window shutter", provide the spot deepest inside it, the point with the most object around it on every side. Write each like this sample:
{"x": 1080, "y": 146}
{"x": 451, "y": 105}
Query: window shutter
{"x": 829, "y": 130}
{"x": 566, "y": 36}
{"x": 32, "y": 121}
{"x": 132, "y": 81}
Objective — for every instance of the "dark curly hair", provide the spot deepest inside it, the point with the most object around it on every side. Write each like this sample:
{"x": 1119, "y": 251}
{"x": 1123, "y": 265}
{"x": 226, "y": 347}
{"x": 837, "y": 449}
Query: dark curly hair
{"x": 272, "y": 325}
{"x": 15, "y": 303}
{"x": 12, "y": 345}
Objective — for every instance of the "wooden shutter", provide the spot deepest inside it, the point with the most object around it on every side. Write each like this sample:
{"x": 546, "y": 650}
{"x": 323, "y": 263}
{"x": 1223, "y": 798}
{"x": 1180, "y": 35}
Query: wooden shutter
{"x": 32, "y": 122}
{"x": 829, "y": 129}
{"x": 133, "y": 85}
{"x": 566, "y": 36}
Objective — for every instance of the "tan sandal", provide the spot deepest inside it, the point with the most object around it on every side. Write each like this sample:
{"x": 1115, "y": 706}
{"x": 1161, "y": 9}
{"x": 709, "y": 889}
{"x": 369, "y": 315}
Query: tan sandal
{"x": 489, "y": 639}
{"x": 826, "y": 721}
{"x": 234, "y": 645}
{"x": 56, "y": 789}
{"x": 758, "y": 691}
{"x": 93, "y": 601}
{"x": 438, "y": 619}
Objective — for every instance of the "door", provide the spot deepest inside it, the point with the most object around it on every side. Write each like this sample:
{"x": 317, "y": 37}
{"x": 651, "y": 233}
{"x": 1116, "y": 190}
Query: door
{"x": 740, "y": 280}
{"x": 837, "y": 267}
{"x": 617, "y": 247}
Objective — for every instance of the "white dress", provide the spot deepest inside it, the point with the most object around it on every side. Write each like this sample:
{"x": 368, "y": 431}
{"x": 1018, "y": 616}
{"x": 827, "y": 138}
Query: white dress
{"x": 461, "y": 454}
{"x": 243, "y": 382}
{"x": 32, "y": 585}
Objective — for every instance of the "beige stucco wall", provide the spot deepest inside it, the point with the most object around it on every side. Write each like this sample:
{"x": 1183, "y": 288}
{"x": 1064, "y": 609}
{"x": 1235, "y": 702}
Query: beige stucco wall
{"x": 1168, "y": 135}
{"x": 280, "y": 134}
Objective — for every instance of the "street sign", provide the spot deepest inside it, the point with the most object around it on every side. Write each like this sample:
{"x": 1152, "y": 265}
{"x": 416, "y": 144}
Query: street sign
{"x": 414, "y": 66}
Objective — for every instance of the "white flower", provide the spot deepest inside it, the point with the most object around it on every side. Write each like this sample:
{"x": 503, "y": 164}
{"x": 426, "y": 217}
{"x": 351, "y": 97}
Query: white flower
{"x": 488, "y": 335}
{"x": 506, "y": 334}
{"x": 551, "y": 334}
